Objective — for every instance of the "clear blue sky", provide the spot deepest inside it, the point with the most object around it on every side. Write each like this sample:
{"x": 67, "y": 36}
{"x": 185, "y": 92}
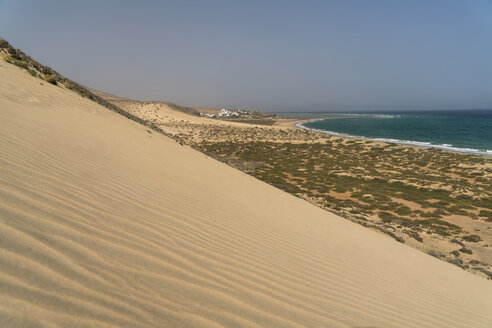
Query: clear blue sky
{"x": 270, "y": 55}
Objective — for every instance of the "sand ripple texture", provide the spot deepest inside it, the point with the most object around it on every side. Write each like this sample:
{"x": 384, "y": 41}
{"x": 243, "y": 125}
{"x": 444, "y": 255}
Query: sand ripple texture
{"x": 104, "y": 224}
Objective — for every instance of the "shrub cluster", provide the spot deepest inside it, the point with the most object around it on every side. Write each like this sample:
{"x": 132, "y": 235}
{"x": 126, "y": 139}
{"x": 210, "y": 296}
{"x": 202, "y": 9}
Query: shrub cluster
{"x": 472, "y": 238}
{"x": 50, "y": 79}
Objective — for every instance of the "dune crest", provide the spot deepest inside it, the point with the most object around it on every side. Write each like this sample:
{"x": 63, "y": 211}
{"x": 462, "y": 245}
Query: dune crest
{"x": 104, "y": 223}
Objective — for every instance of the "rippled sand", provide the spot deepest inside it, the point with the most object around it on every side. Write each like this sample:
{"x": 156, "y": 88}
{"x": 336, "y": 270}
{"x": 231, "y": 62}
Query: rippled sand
{"x": 105, "y": 224}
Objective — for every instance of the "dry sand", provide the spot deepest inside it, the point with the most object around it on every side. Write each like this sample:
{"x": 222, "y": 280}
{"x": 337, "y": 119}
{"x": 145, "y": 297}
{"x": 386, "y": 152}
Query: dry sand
{"x": 103, "y": 224}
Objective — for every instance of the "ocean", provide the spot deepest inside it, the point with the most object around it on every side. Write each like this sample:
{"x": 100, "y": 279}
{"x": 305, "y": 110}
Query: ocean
{"x": 467, "y": 131}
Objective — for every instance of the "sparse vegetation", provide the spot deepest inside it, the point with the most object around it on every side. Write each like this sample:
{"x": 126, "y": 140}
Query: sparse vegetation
{"x": 11, "y": 60}
{"x": 21, "y": 63}
{"x": 405, "y": 192}
{"x": 258, "y": 121}
{"x": 486, "y": 214}
{"x": 17, "y": 57}
{"x": 7, "y": 58}
{"x": 466, "y": 250}
{"x": 472, "y": 238}
{"x": 50, "y": 79}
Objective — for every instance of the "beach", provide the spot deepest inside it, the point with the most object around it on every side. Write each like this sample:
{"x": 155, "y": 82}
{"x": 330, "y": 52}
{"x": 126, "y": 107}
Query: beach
{"x": 429, "y": 129}
{"x": 435, "y": 201}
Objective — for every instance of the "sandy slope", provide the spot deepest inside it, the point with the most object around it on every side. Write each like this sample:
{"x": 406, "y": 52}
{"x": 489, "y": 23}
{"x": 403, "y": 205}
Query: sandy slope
{"x": 103, "y": 224}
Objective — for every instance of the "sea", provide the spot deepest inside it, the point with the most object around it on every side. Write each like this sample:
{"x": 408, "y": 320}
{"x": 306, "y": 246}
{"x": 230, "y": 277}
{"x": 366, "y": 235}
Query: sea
{"x": 468, "y": 131}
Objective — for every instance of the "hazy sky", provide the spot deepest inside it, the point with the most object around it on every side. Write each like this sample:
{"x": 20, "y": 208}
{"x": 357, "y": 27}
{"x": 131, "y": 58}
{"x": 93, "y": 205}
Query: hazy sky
{"x": 270, "y": 55}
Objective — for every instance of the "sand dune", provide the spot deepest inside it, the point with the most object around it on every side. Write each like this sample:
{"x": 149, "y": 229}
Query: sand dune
{"x": 104, "y": 224}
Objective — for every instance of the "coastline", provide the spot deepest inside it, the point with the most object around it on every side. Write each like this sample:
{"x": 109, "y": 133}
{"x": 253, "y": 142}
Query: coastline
{"x": 403, "y": 191}
{"x": 418, "y": 144}
{"x": 297, "y": 123}
{"x": 122, "y": 213}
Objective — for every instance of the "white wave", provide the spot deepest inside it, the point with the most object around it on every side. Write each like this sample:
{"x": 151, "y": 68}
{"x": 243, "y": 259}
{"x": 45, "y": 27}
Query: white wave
{"x": 422, "y": 144}
{"x": 384, "y": 116}
{"x": 367, "y": 115}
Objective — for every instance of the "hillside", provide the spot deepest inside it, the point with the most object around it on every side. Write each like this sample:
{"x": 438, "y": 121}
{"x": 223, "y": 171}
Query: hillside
{"x": 106, "y": 223}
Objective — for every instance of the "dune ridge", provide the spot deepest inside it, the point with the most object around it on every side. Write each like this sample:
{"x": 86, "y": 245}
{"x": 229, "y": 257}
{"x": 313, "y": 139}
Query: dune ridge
{"x": 104, "y": 223}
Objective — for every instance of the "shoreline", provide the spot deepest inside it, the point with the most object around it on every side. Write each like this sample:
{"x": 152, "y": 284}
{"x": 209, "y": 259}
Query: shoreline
{"x": 404, "y": 192}
{"x": 418, "y": 144}
{"x": 148, "y": 216}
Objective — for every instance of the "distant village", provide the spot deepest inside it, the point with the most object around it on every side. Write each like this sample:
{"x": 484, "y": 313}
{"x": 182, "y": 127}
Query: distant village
{"x": 237, "y": 113}
{"x": 229, "y": 113}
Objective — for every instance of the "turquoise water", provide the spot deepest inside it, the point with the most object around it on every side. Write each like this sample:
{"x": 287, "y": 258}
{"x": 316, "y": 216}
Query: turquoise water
{"x": 458, "y": 130}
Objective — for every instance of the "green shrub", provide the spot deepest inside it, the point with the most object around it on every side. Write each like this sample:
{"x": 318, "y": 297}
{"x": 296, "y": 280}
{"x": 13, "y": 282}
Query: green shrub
{"x": 6, "y": 57}
{"x": 50, "y": 79}
{"x": 9, "y": 59}
{"x": 386, "y": 217}
{"x": 403, "y": 210}
{"x": 4, "y": 43}
{"x": 485, "y": 213}
{"x": 21, "y": 64}
{"x": 472, "y": 238}
{"x": 415, "y": 236}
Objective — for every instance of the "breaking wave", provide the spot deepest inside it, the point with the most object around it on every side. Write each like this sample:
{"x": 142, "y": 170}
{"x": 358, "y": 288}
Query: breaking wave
{"x": 422, "y": 144}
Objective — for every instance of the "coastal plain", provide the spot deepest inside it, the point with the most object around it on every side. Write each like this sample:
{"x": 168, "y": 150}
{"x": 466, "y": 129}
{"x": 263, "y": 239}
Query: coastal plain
{"x": 437, "y": 201}
{"x": 107, "y": 223}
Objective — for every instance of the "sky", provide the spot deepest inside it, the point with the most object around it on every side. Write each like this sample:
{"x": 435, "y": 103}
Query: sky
{"x": 344, "y": 55}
